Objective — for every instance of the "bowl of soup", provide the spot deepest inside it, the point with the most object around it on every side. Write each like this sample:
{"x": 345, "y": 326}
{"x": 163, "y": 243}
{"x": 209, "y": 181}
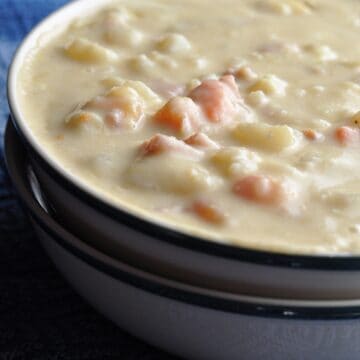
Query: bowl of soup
{"x": 216, "y": 144}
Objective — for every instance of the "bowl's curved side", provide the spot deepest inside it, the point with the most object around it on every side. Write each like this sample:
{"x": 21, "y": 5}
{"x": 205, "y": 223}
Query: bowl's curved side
{"x": 200, "y": 332}
{"x": 183, "y": 320}
{"x": 197, "y": 264}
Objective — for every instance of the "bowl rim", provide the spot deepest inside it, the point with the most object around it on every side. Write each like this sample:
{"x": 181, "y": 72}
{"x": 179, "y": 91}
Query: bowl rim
{"x": 135, "y": 221}
{"x": 18, "y": 168}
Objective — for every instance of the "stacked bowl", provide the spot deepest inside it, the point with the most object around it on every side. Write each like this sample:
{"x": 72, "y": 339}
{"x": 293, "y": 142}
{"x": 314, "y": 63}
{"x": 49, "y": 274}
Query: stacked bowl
{"x": 189, "y": 296}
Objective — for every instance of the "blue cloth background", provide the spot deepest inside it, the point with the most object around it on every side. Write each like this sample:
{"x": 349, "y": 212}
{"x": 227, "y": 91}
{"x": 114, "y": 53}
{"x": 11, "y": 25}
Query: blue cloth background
{"x": 40, "y": 316}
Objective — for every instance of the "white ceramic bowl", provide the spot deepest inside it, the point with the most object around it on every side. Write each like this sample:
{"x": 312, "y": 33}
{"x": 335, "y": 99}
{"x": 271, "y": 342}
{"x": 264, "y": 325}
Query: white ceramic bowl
{"x": 185, "y": 320}
{"x": 155, "y": 247}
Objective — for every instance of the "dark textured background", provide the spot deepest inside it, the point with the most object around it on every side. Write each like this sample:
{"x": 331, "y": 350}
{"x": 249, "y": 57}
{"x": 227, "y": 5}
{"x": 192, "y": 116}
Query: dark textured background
{"x": 41, "y": 317}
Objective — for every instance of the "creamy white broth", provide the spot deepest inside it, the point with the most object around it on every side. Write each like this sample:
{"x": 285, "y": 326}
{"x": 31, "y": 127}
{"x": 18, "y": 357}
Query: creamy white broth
{"x": 295, "y": 63}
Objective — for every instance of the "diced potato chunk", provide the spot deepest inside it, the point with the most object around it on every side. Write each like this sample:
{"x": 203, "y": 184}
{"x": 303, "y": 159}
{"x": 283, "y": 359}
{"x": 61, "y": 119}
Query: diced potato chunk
{"x": 84, "y": 120}
{"x": 234, "y": 161}
{"x": 125, "y": 36}
{"x": 142, "y": 63}
{"x": 118, "y": 31}
{"x": 168, "y": 172}
{"x": 345, "y": 197}
{"x": 163, "y": 60}
{"x": 84, "y": 50}
{"x": 165, "y": 163}
{"x": 198, "y": 63}
{"x": 257, "y": 98}
{"x": 150, "y": 97}
{"x": 245, "y": 73}
{"x": 129, "y": 96}
{"x": 123, "y": 107}
{"x": 270, "y": 85}
{"x": 322, "y": 52}
{"x": 285, "y": 7}
{"x": 300, "y": 7}
{"x": 265, "y": 137}
{"x": 174, "y": 44}
{"x": 128, "y": 100}
{"x": 112, "y": 81}
{"x": 118, "y": 15}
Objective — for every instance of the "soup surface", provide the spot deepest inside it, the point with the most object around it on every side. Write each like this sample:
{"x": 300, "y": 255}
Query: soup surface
{"x": 238, "y": 121}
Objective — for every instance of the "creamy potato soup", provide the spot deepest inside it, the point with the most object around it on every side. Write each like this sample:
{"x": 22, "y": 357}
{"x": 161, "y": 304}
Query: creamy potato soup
{"x": 238, "y": 121}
